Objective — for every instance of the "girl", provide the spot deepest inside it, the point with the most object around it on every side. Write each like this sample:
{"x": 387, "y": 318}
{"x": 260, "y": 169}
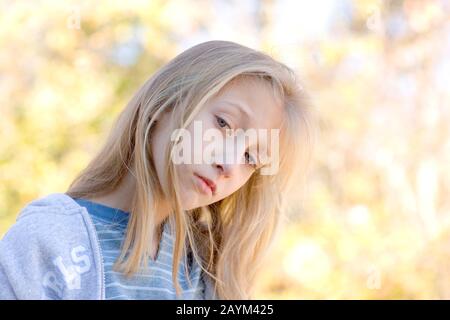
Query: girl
{"x": 136, "y": 225}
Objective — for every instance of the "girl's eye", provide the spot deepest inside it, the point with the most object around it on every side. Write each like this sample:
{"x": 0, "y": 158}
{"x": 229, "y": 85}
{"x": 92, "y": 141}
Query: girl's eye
{"x": 251, "y": 160}
{"x": 222, "y": 123}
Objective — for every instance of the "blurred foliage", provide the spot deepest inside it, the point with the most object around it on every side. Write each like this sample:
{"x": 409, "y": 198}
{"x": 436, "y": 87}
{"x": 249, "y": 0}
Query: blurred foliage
{"x": 375, "y": 220}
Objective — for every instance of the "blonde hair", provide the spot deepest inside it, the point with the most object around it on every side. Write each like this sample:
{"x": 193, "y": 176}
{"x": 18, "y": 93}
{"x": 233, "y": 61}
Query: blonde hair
{"x": 229, "y": 238}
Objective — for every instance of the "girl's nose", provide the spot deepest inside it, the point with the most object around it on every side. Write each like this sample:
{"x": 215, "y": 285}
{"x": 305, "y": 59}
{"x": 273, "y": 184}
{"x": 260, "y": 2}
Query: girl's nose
{"x": 223, "y": 168}
{"x": 228, "y": 161}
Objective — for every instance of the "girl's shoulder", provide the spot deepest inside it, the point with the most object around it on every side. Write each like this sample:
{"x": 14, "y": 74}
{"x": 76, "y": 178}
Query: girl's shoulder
{"x": 49, "y": 251}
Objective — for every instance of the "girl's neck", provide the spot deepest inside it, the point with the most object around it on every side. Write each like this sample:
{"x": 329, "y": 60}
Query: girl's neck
{"x": 122, "y": 197}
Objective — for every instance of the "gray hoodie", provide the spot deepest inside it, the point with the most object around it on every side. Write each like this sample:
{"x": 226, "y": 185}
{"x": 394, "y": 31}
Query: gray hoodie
{"x": 52, "y": 252}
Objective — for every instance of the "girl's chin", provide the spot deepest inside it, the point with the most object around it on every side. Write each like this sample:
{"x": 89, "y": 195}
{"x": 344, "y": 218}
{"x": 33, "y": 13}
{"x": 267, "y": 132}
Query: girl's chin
{"x": 190, "y": 199}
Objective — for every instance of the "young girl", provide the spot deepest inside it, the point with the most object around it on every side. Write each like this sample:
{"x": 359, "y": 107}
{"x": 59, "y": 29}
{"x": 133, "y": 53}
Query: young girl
{"x": 136, "y": 225}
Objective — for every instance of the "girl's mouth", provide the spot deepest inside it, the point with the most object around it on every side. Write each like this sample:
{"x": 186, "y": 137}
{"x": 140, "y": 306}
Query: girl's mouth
{"x": 206, "y": 186}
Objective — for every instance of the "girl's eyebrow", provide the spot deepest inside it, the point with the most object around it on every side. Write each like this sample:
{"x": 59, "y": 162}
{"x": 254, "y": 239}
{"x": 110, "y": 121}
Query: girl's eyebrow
{"x": 243, "y": 110}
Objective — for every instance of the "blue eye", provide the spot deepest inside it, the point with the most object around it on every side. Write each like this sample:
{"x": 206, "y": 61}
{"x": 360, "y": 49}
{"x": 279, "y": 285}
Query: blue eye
{"x": 222, "y": 123}
{"x": 251, "y": 160}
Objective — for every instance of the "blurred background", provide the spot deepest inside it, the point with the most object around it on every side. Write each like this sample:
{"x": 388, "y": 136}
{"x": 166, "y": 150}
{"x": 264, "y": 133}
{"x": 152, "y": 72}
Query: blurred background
{"x": 375, "y": 221}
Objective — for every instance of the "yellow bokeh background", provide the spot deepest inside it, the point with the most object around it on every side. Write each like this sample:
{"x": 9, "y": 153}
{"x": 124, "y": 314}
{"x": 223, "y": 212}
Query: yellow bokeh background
{"x": 374, "y": 222}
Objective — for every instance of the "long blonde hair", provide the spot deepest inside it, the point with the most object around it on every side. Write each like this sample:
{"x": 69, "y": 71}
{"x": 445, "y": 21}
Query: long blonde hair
{"x": 229, "y": 238}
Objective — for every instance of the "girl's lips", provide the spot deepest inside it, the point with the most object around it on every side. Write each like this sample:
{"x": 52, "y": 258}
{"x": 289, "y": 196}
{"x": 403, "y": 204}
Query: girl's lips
{"x": 206, "y": 185}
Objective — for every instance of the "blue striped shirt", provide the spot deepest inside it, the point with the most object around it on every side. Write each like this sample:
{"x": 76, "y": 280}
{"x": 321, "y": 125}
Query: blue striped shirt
{"x": 155, "y": 282}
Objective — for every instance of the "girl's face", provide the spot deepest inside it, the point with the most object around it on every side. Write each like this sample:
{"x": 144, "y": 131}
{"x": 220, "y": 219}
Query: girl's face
{"x": 241, "y": 105}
